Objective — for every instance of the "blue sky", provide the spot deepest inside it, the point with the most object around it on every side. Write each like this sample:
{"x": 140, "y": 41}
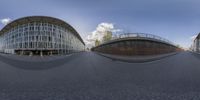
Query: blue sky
{"x": 176, "y": 20}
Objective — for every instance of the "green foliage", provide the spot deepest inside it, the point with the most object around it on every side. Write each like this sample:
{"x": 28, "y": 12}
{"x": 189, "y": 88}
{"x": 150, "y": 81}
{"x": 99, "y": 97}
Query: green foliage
{"x": 107, "y": 36}
{"x": 97, "y": 42}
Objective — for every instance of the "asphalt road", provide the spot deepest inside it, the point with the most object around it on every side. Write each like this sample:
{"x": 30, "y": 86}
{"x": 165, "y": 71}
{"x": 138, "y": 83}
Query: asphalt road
{"x": 88, "y": 76}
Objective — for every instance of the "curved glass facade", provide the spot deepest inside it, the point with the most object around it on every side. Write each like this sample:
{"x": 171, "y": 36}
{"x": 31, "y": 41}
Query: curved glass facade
{"x": 40, "y": 38}
{"x": 196, "y": 44}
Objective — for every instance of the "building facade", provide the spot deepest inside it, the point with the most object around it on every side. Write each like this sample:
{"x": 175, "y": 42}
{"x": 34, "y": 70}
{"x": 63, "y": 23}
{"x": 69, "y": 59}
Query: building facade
{"x": 40, "y": 35}
{"x": 196, "y": 44}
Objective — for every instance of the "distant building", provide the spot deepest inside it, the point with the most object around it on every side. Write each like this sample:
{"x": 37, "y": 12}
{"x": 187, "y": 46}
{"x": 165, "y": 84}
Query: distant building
{"x": 40, "y": 35}
{"x": 196, "y": 44}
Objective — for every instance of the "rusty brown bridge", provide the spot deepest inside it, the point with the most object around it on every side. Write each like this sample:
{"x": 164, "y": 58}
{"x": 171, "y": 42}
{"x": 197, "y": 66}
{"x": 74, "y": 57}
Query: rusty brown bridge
{"x": 137, "y": 44}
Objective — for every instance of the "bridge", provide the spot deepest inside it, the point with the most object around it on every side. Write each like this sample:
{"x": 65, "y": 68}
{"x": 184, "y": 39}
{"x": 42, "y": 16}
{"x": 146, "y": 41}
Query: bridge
{"x": 137, "y": 44}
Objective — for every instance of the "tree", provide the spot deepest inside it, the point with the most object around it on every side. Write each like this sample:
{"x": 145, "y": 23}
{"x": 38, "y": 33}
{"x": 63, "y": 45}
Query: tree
{"x": 97, "y": 42}
{"x": 107, "y": 36}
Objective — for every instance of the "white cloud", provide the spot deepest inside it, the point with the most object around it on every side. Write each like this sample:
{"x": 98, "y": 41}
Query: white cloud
{"x": 117, "y": 30}
{"x": 100, "y": 31}
{"x": 5, "y": 21}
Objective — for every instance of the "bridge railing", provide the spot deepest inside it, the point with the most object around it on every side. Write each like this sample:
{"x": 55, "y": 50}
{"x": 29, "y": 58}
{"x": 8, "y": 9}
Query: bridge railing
{"x": 143, "y": 35}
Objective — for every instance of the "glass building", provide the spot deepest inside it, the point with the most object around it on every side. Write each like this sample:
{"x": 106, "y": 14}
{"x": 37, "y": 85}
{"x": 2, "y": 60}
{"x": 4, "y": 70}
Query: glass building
{"x": 40, "y": 35}
{"x": 196, "y": 44}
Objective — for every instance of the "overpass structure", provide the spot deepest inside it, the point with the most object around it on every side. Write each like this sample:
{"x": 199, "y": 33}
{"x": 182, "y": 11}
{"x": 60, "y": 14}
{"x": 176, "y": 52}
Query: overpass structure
{"x": 137, "y": 44}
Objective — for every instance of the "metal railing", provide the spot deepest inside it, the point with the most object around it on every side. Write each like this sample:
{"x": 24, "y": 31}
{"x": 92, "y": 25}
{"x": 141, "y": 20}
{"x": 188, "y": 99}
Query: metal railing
{"x": 142, "y": 35}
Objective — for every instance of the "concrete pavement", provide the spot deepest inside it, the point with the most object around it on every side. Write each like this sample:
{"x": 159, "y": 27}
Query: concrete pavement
{"x": 88, "y": 76}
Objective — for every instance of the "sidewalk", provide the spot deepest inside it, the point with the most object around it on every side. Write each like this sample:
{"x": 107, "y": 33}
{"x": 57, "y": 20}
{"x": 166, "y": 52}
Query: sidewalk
{"x": 136, "y": 59}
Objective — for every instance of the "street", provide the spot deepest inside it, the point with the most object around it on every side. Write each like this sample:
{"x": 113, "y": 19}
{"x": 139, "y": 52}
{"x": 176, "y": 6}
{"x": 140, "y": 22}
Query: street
{"x": 89, "y": 76}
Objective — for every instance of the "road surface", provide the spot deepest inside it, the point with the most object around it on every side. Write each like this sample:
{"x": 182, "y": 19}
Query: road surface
{"x": 88, "y": 76}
